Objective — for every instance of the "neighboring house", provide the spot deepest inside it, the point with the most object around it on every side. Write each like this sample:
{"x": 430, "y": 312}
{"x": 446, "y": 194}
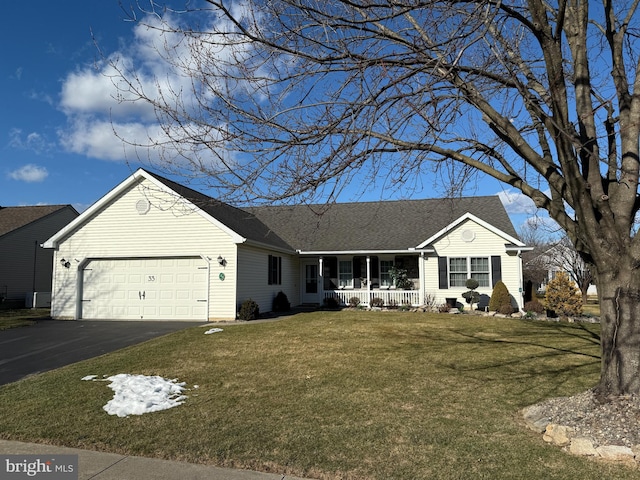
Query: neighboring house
{"x": 563, "y": 257}
{"x": 25, "y": 267}
{"x": 154, "y": 249}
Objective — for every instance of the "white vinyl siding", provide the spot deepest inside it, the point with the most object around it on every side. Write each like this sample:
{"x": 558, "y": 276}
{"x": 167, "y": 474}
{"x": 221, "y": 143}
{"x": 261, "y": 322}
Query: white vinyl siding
{"x": 485, "y": 244}
{"x": 169, "y": 229}
{"x": 253, "y": 265}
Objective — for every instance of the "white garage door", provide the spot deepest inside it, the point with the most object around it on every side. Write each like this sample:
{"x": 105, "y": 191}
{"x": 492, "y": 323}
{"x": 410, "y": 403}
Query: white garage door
{"x": 145, "y": 288}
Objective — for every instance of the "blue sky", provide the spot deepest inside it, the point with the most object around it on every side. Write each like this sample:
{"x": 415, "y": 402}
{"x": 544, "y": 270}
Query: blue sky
{"x": 56, "y": 140}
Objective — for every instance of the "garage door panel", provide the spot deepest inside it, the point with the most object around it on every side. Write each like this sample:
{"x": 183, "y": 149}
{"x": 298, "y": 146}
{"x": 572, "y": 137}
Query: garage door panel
{"x": 168, "y": 288}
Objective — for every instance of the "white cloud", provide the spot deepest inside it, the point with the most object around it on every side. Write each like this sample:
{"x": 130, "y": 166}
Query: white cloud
{"x": 105, "y": 119}
{"x": 29, "y": 173}
{"x": 516, "y": 202}
{"x": 32, "y": 141}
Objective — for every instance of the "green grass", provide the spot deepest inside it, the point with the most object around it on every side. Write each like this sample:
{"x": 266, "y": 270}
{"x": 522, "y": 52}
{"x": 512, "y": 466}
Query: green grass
{"x": 350, "y": 395}
{"x": 13, "y": 318}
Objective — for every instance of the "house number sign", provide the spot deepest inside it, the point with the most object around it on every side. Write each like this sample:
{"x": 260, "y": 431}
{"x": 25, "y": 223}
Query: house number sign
{"x": 221, "y": 276}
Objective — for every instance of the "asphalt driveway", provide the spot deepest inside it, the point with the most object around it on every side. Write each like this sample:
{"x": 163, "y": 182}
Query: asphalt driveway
{"x": 50, "y": 344}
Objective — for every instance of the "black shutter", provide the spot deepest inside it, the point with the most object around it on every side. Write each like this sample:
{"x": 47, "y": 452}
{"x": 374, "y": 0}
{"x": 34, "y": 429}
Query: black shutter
{"x": 443, "y": 278}
{"x": 496, "y": 270}
{"x": 279, "y": 270}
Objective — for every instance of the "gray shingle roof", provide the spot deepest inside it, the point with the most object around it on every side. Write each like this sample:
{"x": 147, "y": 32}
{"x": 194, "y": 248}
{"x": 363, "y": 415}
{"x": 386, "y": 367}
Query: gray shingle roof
{"x": 13, "y": 218}
{"x": 390, "y": 225}
{"x": 240, "y": 221}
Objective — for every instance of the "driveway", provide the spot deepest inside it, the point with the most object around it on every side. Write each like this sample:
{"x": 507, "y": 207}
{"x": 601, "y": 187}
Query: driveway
{"x": 50, "y": 344}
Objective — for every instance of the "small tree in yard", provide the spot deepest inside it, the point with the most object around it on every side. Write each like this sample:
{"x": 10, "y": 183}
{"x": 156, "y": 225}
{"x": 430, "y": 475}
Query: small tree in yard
{"x": 563, "y": 297}
{"x": 500, "y": 297}
{"x": 471, "y": 296}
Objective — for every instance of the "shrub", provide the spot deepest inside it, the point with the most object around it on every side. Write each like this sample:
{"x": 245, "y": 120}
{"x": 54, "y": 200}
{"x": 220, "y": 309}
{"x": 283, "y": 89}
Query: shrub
{"x": 563, "y": 297}
{"x": 499, "y": 297}
{"x": 281, "y": 303}
{"x": 506, "y": 309}
{"x": 331, "y": 302}
{"x": 249, "y": 310}
{"x": 377, "y": 302}
{"x": 471, "y": 296}
{"x": 354, "y": 302}
{"x": 444, "y": 308}
{"x": 534, "y": 306}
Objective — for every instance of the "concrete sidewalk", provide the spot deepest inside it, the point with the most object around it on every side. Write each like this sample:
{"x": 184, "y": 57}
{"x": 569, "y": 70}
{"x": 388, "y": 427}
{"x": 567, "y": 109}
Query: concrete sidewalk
{"x": 110, "y": 466}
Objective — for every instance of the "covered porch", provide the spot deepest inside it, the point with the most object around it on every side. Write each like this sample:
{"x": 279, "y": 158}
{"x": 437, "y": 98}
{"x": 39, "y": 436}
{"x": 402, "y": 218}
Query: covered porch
{"x": 381, "y": 279}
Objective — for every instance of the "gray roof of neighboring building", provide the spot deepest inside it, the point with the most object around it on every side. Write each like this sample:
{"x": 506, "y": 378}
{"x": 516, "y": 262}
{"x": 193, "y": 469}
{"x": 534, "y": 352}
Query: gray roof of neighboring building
{"x": 13, "y": 218}
{"x": 387, "y": 225}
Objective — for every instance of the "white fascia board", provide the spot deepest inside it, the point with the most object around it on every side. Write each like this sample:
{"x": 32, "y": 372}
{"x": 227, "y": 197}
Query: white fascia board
{"x": 267, "y": 246}
{"x": 364, "y": 252}
{"x": 516, "y": 248}
{"x": 470, "y": 216}
{"x": 126, "y": 184}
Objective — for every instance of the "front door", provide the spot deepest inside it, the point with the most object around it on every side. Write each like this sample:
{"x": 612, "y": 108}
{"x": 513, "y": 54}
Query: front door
{"x": 310, "y": 290}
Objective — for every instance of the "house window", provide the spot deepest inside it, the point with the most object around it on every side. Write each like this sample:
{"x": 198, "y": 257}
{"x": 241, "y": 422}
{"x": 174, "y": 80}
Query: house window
{"x": 275, "y": 270}
{"x": 480, "y": 270}
{"x": 462, "y": 268}
{"x": 457, "y": 272}
{"x": 345, "y": 270}
{"x": 385, "y": 277}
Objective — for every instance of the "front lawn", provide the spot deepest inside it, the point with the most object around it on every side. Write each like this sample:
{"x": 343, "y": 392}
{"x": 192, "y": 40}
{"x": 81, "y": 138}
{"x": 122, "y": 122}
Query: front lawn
{"x": 350, "y": 395}
{"x": 22, "y": 317}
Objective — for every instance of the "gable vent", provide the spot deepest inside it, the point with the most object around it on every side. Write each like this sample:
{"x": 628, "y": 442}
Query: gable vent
{"x": 142, "y": 206}
{"x": 468, "y": 236}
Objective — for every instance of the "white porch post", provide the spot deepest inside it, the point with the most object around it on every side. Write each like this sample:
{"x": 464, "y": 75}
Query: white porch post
{"x": 321, "y": 280}
{"x": 423, "y": 281}
{"x": 368, "y": 279}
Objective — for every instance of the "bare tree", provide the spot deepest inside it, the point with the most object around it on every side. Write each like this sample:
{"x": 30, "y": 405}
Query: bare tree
{"x": 297, "y": 97}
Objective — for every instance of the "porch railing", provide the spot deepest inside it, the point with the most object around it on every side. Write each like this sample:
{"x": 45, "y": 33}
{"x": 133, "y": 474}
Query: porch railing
{"x": 389, "y": 297}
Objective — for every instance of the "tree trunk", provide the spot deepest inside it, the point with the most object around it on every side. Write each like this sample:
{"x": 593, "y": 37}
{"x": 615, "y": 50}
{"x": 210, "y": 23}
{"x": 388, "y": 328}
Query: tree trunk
{"x": 619, "y": 294}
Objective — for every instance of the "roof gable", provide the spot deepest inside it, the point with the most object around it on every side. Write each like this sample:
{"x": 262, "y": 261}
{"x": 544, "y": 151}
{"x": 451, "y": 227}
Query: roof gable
{"x": 464, "y": 218}
{"x": 239, "y": 224}
{"x": 13, "y": 218}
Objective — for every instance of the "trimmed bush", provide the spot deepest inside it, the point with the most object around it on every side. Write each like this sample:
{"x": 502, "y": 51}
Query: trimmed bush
{"x": 331, "y": 302}
{"x": 563, "y": 297}
{"x": 281, "y": 303}
{"x": 354, "y": 302}
{"x": 499, "y": 297}
{"x": 506, "y": 309}
{"x": 249, "y": 310}
{"x": 377, "y": 302}
{"x": 534, "y": 306}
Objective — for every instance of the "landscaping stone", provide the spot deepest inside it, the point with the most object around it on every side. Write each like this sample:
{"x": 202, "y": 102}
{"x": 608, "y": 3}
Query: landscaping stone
{"x": 559, "y": 435}
{"x": 615, "y": 452}
{"x": 582, "y": 446}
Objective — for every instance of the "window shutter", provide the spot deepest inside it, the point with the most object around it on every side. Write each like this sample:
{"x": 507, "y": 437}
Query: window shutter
{"x": 443, "y": 280}
{"x": 279, "y": 270}
{"x": 496, "y": 269}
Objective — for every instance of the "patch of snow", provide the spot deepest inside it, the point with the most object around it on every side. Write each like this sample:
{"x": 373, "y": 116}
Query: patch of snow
{"x": 89, "y": 377}
{"x": 213, "y": 330}
{"x": 139, "y": 394}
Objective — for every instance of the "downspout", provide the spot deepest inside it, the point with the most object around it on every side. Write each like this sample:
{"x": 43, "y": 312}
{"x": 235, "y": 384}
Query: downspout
{"x": 521, "y": 296}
